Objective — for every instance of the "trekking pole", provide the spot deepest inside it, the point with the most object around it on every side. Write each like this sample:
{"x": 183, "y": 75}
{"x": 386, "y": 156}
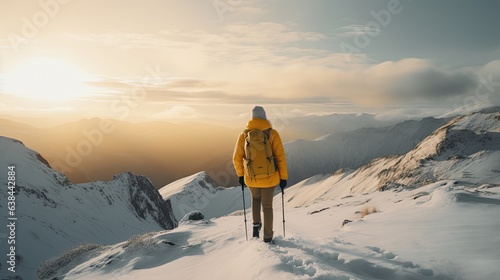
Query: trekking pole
{"x": 283, "y": 208}
{"x": 244, "y": 211}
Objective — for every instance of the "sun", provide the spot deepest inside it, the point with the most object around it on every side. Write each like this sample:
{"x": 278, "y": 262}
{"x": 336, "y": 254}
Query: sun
{"x": 46, "y": 79}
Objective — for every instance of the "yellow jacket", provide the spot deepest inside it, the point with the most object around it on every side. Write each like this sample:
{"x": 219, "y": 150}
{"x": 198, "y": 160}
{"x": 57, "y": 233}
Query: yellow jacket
{"x": 278, "y": 152}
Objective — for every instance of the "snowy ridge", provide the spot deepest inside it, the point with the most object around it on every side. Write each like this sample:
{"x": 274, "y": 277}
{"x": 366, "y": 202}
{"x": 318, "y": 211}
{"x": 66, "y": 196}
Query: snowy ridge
{"x": 443, "y": 230}
{"x": 199, "y": 192}
{"x": 467, "y": 148}
{"x": 352, "y": 149}
{"x": 145, "y": 203}
{"x": 54, "y": 214}
{"x": 462, "y": 144}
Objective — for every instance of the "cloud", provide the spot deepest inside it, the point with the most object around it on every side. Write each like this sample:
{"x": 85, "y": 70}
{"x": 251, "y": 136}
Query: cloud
{"x": 420, "y": 80}
{"x": 390, "y": 83}
{"x": 108, "y": 83}
{"x": 489, "y": 83}
{"x": 239, "y": 10}
{"x": 128, "y": 40}
{"x": 408, "y": 113}
{"x": 251, "y": 11}
{"x": 236, "y": 35}
{"x": 271, "y": 62}
{"x": 354, "y": 30}
{"x": 268, "y": 32}
{"x": 5, "y": 44}
{"x": 191, "y": 84}
{"x": 436, "y": 84}
{"x": 317, "y": 80}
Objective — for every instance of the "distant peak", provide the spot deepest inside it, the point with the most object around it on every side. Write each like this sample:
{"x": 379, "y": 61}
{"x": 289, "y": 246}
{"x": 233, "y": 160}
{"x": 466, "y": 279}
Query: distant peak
{"x": 203, "y": 176}
{"x": 489, "y": 110}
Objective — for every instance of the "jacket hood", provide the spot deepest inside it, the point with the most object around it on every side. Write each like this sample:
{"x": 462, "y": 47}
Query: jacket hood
{"x": 258, "y": 124}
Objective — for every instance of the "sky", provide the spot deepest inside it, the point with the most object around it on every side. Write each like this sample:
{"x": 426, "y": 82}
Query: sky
{"x": 213, "y": 60}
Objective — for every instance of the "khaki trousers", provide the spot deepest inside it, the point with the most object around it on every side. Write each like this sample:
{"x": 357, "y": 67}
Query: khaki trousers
{"x": 264, "y": 197}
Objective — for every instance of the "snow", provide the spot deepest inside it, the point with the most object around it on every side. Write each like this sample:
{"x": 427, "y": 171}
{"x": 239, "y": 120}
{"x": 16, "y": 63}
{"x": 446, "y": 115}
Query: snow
{"x": 444, "y": 230}
{"x": 199, "y": 192}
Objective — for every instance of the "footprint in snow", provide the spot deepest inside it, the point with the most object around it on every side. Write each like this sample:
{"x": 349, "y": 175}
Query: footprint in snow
{"x": 343, "y": 260}
{"x": 382, "y": 253}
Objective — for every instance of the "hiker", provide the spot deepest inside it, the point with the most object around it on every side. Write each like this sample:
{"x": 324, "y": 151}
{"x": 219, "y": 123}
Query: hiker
{"x": 260, "y": 163}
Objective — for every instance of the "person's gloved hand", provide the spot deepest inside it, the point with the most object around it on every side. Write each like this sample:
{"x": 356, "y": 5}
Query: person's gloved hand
{"x": 282, "y": 184}
{"x": 242, "y": 181}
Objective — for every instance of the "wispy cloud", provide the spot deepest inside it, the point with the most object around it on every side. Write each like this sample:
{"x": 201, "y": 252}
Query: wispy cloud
{"x": 268, "y": 32}
{"x": 249, "y": 10}
{"x": 5, "y": 43}
{"x": 240, "y": 10}
{"x": 264, "y": 33}
{"x": 354, "y": 30}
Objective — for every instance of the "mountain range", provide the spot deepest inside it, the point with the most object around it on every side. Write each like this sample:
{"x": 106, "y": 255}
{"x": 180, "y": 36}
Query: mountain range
{"x": 354, "y": 148}
{"x": 459, "y": 162}
{"x": 466, "y": 149}
{"x": 96, "y": 149}
{"x": 52, "y": 214}
{"x": 429, "y": 213}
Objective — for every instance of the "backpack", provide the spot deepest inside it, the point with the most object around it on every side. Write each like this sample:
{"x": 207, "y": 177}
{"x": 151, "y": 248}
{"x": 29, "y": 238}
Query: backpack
{"x": 259, "y": 161}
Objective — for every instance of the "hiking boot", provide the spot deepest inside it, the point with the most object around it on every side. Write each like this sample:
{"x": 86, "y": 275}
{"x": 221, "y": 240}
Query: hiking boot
{"x": 256, "y": 229}
{"x": 268, "y": 240}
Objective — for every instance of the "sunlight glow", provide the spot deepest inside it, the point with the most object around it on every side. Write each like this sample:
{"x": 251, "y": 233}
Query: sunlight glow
{"x": 46, "y": 79}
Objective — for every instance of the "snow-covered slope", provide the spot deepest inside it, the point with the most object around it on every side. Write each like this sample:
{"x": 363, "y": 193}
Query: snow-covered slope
{"x": 445, "y": 230}
{"x": 467, "y": 149}
{"x": 200, "y": 193}
{"x": 352, "y": 149}
{"x": 53, "y": 214}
